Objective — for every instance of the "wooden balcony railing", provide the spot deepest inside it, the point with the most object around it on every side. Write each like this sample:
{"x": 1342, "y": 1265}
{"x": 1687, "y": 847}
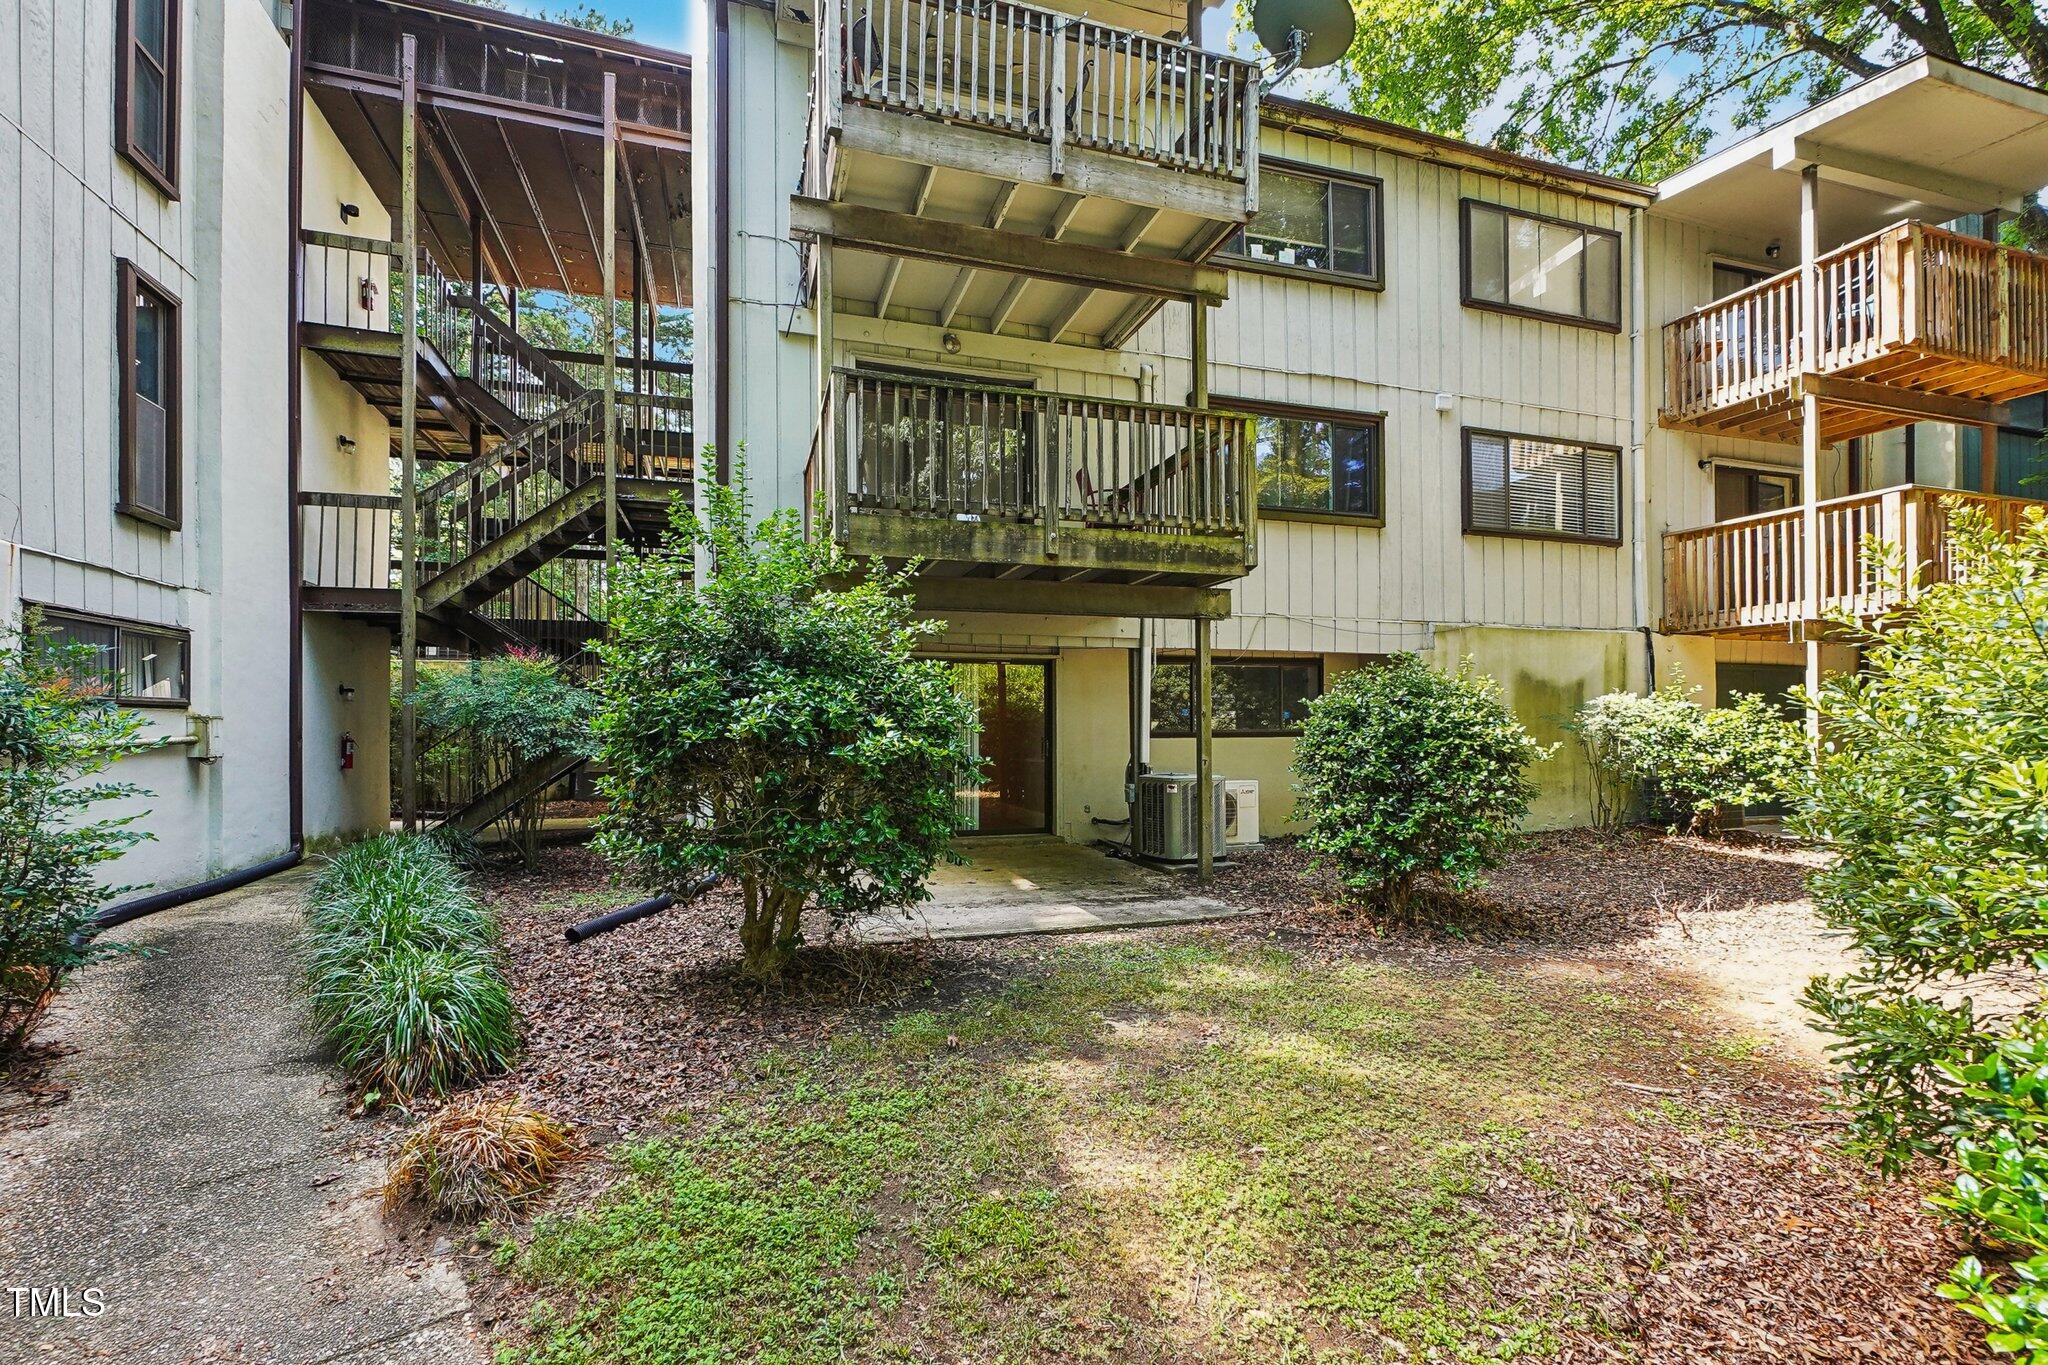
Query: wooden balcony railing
{"x": 1907, "y": 291}
{"x": 936, "y": 469}
{"x": 1747, "y": 576}
{"x": 346, "y": 540}
{"x": 1055, "y": 78}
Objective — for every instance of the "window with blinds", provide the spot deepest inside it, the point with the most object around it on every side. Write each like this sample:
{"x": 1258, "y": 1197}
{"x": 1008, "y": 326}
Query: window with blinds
{"x": 1530, "y": 486}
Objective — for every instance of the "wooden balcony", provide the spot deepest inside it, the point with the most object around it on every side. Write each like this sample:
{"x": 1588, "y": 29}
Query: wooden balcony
{"x": 1746, "y": 576}
{"x": 1059, "y": 499}
{"x": 1050, "y": 130}
{"x": 1935, "y": 324}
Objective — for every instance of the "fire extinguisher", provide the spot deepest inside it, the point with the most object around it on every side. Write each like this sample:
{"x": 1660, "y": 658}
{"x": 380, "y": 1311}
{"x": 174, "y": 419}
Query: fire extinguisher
{"x": 348, "y": 751}
{"x": 368, "y": 295}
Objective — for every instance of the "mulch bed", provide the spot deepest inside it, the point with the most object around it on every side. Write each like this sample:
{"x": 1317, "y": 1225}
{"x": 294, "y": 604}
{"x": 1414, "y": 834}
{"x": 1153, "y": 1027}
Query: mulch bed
{"x": 1764, "y": 1246}
{"x": 655, "y": 1017}
{"x": 1576, "y": 887}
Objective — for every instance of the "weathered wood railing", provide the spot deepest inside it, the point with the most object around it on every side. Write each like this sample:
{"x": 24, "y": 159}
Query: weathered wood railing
{"x": 346, "y": 540}
{"x": 985, "y": 453}
{"x": 1055, "y": 78}
{"x": 1748, "y": 574}
{"x": 1908, "y": 286}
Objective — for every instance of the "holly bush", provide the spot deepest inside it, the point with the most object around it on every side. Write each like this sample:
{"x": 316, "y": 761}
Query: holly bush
{"x": 1931, "y": 796}
{"x": 1406, "y": 776}
{"x": 769, "y": 723}
{"x": 1678, "y": 763}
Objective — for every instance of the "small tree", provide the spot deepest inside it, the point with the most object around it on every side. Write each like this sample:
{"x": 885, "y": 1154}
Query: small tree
{"x": 773, "y": 727}
{"x": 1931, "y": 795}
{"x": 58, "y": 733}
{"x": 1406, "y": 775}
{"x": 499, "y": 715}
{"x": 1678, "y": 762}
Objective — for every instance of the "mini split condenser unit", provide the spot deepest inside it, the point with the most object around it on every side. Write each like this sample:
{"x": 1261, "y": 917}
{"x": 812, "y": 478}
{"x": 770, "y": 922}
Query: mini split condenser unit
{"x": 1166, "y": 816}
{"x": 1240, "y": 811}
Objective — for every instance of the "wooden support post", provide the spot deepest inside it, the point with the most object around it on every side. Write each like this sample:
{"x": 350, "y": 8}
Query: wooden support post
{"x": 608, "y": 261}
{"x": 838, "y": 461}
{"x": 1205, "y": 766}
{"x": 1198, "y": 389}
{"x": 1140, "y": 697}
{"x": 1809, "y": 435}
{"x": 409, "y": 436}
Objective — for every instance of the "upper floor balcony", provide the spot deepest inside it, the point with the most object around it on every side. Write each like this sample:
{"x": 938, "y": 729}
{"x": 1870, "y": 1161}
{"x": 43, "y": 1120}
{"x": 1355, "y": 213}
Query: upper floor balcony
{"x": 1057, "y": 502}
{"x": 1747, "y": 575}
{"x": 1914, "y": 323}
{"x": 1040, "y": 133}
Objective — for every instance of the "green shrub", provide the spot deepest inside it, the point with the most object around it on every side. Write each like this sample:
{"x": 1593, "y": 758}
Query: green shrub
{"x": 1931, "y": 796}
{"x": 2002, "y": 1187}
{"x": 402, "y": 969}
{"x": 1678, "y": 763}
{"x": 494, "y": 716}
{"x": 1407, "y": 776}
{"x": 772, "y": 726}
{"x": 58, "y": 734}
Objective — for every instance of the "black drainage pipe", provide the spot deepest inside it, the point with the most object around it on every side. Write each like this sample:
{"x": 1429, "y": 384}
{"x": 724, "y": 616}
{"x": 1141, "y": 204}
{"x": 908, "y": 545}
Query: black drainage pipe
{"x": 653, "y": 905}
{"x": 213, "y": 886}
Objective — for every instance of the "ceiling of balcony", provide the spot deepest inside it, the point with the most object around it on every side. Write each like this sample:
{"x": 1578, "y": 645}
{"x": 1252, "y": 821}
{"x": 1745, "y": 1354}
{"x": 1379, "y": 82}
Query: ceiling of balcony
{"x": 988, "y": 300}
{"x": 1927, "y": 139}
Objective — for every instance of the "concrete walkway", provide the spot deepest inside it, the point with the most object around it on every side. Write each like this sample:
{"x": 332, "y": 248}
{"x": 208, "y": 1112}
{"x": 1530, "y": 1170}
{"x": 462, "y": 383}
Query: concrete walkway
{"x": 1042, "y": 885}
{"x": 196, "y": 1175}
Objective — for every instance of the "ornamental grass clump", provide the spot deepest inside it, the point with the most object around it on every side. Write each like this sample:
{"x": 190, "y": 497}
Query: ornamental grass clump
{"x": 478, "y": 1159}
{"x": 402, "y": 969}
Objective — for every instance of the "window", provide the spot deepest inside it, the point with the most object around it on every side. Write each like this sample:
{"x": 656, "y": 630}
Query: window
{"x": 146, "y": 89}
{"x": 1314, "y": 223}
{"x": 1733, "y": 279}
{"x": 1528, "y": 486}
{"x": 1542, "y": 267}
{"x": 128, "y": 662}
{"x": 1319, "y": 463}
{"x": 1248, "y": 696}
{"x": 151, "y": 481}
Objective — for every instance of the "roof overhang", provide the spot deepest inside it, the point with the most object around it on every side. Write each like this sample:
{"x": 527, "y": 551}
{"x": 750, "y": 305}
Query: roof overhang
{"x": 1927, "y": 139}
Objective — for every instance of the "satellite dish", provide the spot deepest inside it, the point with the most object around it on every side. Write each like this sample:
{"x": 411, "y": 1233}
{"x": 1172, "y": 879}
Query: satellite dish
{"x": 1303, "y": 33}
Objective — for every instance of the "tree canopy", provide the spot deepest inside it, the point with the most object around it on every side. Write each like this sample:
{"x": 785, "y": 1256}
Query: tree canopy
{"x": 1640, "y": 87}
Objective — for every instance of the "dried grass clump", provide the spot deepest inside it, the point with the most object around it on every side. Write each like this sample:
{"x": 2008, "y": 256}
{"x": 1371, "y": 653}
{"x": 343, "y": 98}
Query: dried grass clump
{"x": 476, "y": 1159}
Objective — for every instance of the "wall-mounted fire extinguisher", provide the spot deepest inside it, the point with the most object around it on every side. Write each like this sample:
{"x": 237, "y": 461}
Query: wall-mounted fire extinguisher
{"x": 348, "y": 751}
{"x": 368, "y": 295}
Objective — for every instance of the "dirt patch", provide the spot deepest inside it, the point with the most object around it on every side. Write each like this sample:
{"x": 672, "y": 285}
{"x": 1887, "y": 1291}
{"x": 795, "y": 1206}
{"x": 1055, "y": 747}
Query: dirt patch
{"x": 655, "y": 1017}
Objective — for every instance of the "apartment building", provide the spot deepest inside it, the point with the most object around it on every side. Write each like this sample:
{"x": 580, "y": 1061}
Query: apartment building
{"x": 1157, "y": 373}
{"x": 1185, "y": 395}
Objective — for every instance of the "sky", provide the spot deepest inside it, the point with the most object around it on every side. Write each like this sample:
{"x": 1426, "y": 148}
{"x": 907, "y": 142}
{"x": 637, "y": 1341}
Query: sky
{"x": 661, "y": 23}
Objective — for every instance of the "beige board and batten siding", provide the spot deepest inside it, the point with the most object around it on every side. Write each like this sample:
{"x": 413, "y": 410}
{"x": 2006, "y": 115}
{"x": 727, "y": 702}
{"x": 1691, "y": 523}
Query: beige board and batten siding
{"x": 75, "y": 207}
{"x": 1301, "y": 341}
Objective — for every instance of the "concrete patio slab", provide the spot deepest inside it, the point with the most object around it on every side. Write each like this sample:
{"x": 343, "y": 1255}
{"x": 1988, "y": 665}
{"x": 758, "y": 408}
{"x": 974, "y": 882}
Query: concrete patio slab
{"x": 1042, "y": 885}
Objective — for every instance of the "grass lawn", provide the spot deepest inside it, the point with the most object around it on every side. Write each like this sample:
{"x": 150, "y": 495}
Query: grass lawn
{"x": 1188, "y": 1145}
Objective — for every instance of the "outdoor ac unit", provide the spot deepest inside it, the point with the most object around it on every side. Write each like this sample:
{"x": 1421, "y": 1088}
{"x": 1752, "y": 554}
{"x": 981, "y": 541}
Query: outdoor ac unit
{"x": 1166, "y": 816}
{"x": 1241, "y": 811}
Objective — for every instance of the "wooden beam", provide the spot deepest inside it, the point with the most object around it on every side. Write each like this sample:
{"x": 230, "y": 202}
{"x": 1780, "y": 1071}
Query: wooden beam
{"x": 892, "y": 234}
{"x": 1135, "y": 227}
{"x": 1887, "y": 176}
{"x": 1055, "y": 228}
{"x": 1910, "y": 403}
{"x": 607, "y": 336}
{"x": 1050, "y": 597}
{"x": 998, "y": 210}
{"x": 409, "y": 462}
{"x": 1096, "y": 174}
{"x": 1205, "y": 751}
{"x": 894, "y": 270}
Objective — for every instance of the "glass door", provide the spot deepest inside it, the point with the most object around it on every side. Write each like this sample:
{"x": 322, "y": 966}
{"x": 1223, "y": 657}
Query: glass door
{"x": 1012, "y": 793}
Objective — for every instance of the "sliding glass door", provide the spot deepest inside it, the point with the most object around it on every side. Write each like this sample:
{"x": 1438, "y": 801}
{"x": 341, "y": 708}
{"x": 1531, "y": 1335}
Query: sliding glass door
{"x": 1013, "y": 792}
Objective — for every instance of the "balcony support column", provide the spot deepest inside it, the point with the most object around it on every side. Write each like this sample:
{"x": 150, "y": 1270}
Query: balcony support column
{"x": 608, "y": 261}
{"x": 1809, "y": 435}
{"x": 409, "y": 436}
{"x": 1205, "y": 761}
